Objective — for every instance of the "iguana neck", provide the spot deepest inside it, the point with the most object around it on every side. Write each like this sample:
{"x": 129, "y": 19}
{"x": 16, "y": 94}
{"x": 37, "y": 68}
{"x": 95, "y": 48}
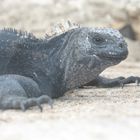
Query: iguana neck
{"x": 55, "y": 63}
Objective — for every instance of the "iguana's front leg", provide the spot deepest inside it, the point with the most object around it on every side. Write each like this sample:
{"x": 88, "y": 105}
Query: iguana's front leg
{"x": 19, "y": 92}
{"x": 130, "y": 79}
{"x": 120, "y": 81}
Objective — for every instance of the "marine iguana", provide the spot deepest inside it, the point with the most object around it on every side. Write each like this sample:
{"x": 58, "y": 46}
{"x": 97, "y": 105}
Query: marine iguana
{"x": 35, "y": 70}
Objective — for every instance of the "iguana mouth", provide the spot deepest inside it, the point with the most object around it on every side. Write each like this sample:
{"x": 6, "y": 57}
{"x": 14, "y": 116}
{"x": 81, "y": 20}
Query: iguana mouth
{"x": 112, "y": 56}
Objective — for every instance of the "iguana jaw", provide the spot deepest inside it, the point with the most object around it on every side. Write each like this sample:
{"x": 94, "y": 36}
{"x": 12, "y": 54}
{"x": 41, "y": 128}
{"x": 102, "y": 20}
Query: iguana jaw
{"x": 112, "y": 56}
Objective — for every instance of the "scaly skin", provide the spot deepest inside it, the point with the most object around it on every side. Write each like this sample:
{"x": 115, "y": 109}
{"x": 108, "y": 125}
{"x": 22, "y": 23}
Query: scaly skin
{"x": 35, "y": 70}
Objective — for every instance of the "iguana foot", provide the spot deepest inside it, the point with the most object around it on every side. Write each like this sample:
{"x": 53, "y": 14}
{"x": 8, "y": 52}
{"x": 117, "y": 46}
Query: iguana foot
{"x": 24, "y": 103}
{"x": 129, "y": 80}
{"x": 19, "y": 92}
{"x": 116, "y": 82}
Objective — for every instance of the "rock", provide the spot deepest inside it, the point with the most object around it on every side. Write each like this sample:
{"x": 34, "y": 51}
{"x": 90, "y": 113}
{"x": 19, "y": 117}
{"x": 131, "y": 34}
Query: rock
{"x": 128, "y": 32}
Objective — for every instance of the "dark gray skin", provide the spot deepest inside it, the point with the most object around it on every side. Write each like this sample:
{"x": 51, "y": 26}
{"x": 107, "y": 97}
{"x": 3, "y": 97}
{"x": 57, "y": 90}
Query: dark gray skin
{"x": 35, "y": 70}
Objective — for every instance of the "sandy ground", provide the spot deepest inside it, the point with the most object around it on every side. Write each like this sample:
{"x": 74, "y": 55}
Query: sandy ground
{"x": 90, "y": 113}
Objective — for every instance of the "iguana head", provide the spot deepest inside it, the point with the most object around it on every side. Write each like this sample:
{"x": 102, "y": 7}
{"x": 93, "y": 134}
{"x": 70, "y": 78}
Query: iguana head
{"x": 104, "y": 44}
{"x": 86, "y": 52}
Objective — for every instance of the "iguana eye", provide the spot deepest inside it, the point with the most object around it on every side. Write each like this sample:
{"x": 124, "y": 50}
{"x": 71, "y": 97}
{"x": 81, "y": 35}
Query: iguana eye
{"x": 98, "y": 40}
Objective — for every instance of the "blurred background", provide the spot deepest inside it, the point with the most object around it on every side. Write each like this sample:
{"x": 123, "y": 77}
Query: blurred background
{"x": 37, "y": 15}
